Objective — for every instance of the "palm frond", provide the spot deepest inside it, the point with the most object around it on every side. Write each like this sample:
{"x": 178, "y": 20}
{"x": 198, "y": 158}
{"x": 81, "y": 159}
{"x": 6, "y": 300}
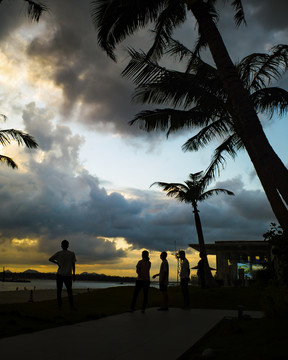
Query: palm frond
{"x": 178, "y": 50}
{"x": 270, "y": 100}
{"x": 216, "y": 130}
{"x": 114, "y": 20}
{"x": 259, "y": 69}
{"x": 8, "y": 161}
{"x": 169, "y": 120}
{"x": 159, "y": 84}
{"x": 35, "y": 10}
{"x": 176, "y": 190}
{"x": 141, "y": 69}
{"x": 230, "y": 146}
{"x": 200, "y": 44}
{"x": 192, "y": 191}
{"x": 173, "y": 15}
{"x": 194, "y": 63}
{"x": 239, "y": 16}
{"x": 209, "y": 193}
{"x": 19, "y": 136}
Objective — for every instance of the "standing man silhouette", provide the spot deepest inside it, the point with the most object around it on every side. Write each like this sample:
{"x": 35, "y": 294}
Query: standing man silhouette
{"x": 65, "y": 259}
{"x": 143, "y": 280}
{"x": 163, "y": 280}
{"x": 184, "y": 278}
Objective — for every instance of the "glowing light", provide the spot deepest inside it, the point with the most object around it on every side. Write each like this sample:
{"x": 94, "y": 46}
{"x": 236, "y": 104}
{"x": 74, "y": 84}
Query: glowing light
{"x": 25, "y": 242}
{"x": 120, "y": 242}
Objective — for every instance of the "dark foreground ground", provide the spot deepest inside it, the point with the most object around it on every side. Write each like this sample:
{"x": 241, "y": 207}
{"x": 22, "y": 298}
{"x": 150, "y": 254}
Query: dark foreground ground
{"x": 230, "y": 339}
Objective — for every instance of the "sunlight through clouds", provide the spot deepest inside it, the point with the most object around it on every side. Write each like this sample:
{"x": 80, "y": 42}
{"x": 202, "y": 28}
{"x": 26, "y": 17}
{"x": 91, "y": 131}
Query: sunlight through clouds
{"x": 90, "y": 179}
{"x": 25, "y": 242}
{"x": 120, "y": 243}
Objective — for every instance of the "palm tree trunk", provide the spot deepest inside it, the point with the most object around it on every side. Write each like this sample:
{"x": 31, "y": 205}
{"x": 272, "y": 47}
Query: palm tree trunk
{"x": 210, "y": 281}
{"x": 269, "y": 168}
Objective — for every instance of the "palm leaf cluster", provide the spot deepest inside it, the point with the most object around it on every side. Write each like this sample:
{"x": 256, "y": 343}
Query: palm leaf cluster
{"x": 192, "y": 191}
{"x": 198, "y": 100}
{"x": 6, "y": 136}
{"x": 34, "y": 10}
{"x": 127, "y": 16}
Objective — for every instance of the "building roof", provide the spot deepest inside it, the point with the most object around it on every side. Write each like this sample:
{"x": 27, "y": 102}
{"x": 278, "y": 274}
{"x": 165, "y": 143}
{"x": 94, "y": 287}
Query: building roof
{"x": 234, "y": 246}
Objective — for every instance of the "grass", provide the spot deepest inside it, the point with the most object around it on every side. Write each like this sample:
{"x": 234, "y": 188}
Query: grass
{"x": 233, "y": 339}
{"x": 248, "y": 339}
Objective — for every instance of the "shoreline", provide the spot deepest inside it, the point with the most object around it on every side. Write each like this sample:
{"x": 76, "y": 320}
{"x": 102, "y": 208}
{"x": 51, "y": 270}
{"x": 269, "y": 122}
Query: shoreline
{"x": 23, "y": 296}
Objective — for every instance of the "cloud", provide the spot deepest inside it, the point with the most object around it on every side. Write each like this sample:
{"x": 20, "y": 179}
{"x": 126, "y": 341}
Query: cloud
{"x": 57, "y": 198}
{"x": 52, "y": 196}
{"x": 91, "y": 84}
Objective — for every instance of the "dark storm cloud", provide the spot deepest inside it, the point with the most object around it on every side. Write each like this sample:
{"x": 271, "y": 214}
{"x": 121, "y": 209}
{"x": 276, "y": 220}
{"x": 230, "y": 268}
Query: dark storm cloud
{"x": 82, "y": 70}
{"x": 270, "y": 14}
{"x": 266, "y": 26}
{"x": 59, "y": 199}
{"x": 12, "y": 15}
{"x": 91, "y": 82}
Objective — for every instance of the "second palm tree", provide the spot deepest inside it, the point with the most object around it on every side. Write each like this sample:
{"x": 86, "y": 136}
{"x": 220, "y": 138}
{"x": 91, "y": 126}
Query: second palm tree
{"x": 192, "y": 192}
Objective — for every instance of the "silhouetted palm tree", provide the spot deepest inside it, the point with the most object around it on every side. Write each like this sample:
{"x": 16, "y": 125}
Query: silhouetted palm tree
{"x": 193, "y": 192}
{"x": 116, "y": 19}
{"x": 20, "y": 137}
{"x": 200, "y": 101}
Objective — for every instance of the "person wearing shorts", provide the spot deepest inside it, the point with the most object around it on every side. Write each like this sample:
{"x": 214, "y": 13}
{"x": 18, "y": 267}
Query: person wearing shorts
{"x": 65, "y": 259}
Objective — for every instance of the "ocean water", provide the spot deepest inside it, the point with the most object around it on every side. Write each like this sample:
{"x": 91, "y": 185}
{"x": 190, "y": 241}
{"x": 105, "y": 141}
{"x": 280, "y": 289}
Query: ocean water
{"x": 51, "y": 284}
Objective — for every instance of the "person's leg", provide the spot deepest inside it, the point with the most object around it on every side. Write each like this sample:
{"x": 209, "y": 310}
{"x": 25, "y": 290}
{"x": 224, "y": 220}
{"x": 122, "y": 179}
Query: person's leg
{"x": 137, "y": 289}
{"x": 59, "y": 282}
{"x": 146, "y": 286}
{"x": 163, "y": 288}
{"x": 68, "y": 283}
{"x": 165, "y": 299}
{"x": 185, "y": 292}
{"x": 203, "y": 281}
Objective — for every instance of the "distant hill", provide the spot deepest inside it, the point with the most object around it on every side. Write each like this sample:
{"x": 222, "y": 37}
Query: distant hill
{"x": 34, "y": 274}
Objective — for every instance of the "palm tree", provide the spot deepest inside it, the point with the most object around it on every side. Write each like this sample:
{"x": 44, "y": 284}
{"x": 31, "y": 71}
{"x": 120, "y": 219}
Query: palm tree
{"x": 20, "y": 137}
{"x": 200, "y": 101}
{"x": 192, "y": 192}
{"x": 116, "y": 19}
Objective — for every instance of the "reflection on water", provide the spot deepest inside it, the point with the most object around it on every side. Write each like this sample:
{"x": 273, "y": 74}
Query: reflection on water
{"x": 51, "y": 284}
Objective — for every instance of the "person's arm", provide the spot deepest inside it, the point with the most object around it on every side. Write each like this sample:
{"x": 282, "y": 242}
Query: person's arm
{"x": 154, "y": 276}
{"x": 54, "y": 260}
{"x": 138, "y": 268}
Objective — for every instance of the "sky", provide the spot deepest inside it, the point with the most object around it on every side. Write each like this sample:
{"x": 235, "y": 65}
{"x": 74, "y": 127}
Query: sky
{"x": 89, "y": 181}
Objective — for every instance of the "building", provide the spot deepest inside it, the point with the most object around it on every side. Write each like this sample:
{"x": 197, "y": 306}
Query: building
{"x": 237, "y": 261}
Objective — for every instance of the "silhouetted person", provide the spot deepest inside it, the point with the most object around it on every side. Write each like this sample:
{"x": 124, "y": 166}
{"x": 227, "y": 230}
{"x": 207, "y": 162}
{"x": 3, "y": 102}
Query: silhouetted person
{"x": 163, "y": 280}
{"x": 143, "y": 280}
{"x": 201, "y": 271}
{"x": 65, "y": 259}
{"x": 184, "y": 278}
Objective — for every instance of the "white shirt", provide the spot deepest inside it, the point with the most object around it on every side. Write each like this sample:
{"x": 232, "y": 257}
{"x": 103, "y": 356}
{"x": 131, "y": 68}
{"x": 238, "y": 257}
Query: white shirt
{"x": 66, "y": 259}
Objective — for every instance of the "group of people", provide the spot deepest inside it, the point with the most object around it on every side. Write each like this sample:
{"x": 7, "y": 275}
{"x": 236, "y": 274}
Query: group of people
{"x": 66, "y": 259}
{"x": 143, "y": 280}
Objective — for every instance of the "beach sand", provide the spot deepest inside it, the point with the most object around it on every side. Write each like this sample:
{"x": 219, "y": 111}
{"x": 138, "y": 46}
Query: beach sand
{"x": 22, "y": 296}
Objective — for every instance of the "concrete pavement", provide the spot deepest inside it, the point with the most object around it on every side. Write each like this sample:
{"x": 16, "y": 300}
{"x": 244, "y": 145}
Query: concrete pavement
{"x": 129, "y": 336}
